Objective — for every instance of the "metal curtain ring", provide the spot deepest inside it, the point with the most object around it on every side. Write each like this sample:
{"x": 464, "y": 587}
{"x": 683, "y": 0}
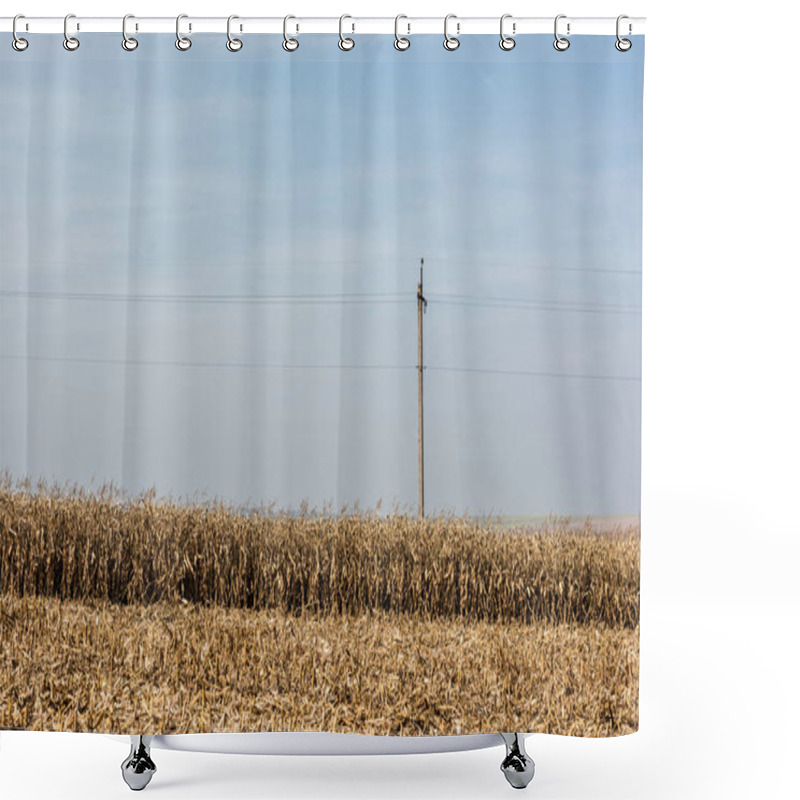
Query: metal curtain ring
{"x": 128, "y": 42}
{"x": 400, "y": 42}
{"x": 561, "y": 43}
{"x": 345, "y": 42}
{"x": 18, "y": 43}
{"x": 507, "y": 42}
{"x": 289, "y": 44}
{"x": 451, "y": 42}
{"x": 181, "y": 42}
{"x": 233, "y": 44}
{"x": 70, "y": 42}
{"x": 623, "y": 45}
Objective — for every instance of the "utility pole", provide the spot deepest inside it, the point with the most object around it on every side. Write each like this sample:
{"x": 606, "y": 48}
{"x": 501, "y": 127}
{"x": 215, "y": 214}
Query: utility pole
{"x": 422, "y": 305}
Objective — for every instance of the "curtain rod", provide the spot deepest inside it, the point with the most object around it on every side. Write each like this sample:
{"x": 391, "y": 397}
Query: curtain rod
{"x": 407, "y": 25}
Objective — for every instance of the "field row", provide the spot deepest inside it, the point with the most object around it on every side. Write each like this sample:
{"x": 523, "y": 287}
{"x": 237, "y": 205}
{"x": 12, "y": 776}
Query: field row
{"x": 98, "y": 666}
{"x": 81, "y": 547}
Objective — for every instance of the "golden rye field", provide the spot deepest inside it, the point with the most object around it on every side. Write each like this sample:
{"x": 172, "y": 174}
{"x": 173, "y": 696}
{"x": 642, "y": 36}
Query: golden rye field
{"x": 126, "y": 615}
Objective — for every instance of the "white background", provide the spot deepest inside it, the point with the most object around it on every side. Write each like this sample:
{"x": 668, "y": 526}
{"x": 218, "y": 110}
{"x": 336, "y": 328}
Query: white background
{"x": 720, "y": 704}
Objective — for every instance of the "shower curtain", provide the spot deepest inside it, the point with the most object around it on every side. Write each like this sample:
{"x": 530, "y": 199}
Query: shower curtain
{"x": 320, "y": 385}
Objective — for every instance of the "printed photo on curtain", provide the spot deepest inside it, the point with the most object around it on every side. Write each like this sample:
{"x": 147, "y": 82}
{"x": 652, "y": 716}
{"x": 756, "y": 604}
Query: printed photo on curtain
{"x": 320, "y": 377}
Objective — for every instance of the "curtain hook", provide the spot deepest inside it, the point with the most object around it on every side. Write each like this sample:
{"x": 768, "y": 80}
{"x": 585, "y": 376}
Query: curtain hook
{"x": 70, "y": 42}
{"x": 451, "y": 42}
{"x": 289, "y": 44}
{"x": 181, "y": 42}
{"x": 400, "y": 42}
{"x": 18, "y": 43}
{"x": 233, "y": 44}
{"x": 561, "y": 43}
{"x": 623, "y": 45}
{"x": 345, "y": 42}
{"x": 506, "y": 42}
{"x": 128, "y": 42}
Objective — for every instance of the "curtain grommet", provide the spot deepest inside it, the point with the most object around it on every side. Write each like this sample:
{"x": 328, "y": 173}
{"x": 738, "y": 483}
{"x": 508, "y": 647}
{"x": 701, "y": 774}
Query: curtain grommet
{"x": 561, "y": 43}
{"x": 507, "y": 42}
{"x": 128, "y": 42}
{"x": 17, "y": 42}
{"x": 233, "y": 44}
{"x": 451, "y": 42}
{"x": 70, "y": 43}
{"x": 345, "y": 42}
{"x": 183, "y": 43}
{"x": 401, "y": 43}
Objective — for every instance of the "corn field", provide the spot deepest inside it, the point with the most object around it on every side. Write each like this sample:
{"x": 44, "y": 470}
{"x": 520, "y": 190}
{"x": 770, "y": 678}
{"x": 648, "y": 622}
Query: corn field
{"x": 76, "y": 546}
{"x": 68, "y": 666}
{"x": 122, "y": 614}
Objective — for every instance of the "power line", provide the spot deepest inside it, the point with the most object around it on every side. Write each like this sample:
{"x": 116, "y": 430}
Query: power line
{"x": 307, "y": 299}
{"x": 537, "y": 373}
{"x": 202, "y": 364}
{"x": 259, "y": 365}
{"x": 532, "y": 305}
{"x": 352, "y": 298}
{"x": 266, "y": 262}
{"x": 466, "y": 261}
{"x": 523, "y": 300}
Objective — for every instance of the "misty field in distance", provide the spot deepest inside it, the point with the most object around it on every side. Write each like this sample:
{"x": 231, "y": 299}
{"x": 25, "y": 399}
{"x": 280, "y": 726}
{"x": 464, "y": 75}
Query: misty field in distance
{"x": 130, "y": 613}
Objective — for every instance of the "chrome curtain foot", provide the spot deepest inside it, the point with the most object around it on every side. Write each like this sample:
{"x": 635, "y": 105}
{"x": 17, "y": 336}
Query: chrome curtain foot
{"x": 517, "y": 766}
{"x": 138, "y": 768}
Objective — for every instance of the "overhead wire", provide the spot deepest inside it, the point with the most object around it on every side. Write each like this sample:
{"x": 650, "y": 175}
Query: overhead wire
{"x": 343, "y": 298}
{"x": 291, "y": 367}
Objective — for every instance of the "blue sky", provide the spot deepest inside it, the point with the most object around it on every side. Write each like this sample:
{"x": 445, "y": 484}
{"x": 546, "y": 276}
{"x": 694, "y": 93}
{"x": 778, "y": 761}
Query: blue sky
{"x": 209, "y": 265}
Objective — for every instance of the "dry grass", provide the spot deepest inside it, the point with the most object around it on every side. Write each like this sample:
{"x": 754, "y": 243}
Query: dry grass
{"x": 97, "y": 666}
{"x": 77, "y": 546}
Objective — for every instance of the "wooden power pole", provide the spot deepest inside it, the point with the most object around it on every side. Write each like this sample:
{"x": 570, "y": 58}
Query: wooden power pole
{"x": 422, "y": 304}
